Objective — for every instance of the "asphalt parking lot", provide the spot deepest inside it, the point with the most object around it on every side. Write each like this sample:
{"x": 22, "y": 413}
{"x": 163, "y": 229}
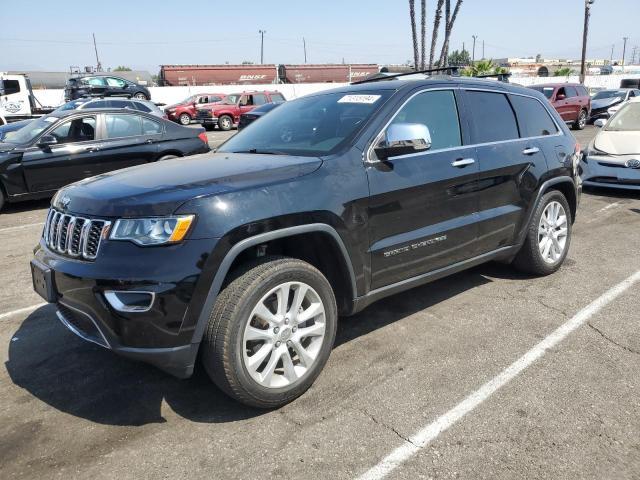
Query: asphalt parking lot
{"x": 73, "y": 410}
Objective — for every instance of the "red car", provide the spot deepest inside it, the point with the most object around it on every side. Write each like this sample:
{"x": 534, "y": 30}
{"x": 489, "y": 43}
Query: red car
{"x": 227, "y": 113}
{"x": 185, "y": 111}
{"x": 571, "y": 100}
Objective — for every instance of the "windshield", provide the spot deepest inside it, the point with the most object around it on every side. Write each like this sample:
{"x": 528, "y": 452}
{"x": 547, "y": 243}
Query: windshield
{"x": 190, "y": 99}
{"x": 626, "y": 120}
{"x": 309, "y": 126}
{"x": 548, "y": 91}
{"x": 72, "y": 105}
{"x": 31, "y": 130}
{"x": 609, "y": 94}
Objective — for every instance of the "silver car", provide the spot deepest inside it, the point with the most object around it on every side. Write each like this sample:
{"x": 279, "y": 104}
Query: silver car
{"x": 132, "y": 104}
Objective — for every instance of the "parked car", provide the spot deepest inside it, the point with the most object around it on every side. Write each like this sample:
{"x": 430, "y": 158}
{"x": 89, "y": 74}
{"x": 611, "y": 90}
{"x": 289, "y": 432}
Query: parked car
{"x": 571, "y": 100}
{"x": 104, "y": 86}
{"x": 145, "y": 106}
{"x": 63, "y": 147}
{"x": 185, "y": 111}
{"x": 612, "y": 159}
{"x": 226, "y": 114}
{"x": 247, "y": 118}
{"x": 607, "y": 102}
{"x": 244, "y": 259}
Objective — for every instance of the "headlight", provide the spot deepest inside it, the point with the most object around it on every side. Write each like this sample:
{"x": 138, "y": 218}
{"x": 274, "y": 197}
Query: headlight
{"x": 152, "y": 231}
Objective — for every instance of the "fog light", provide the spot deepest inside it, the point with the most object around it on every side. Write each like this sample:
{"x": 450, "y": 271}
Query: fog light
{"x": 130, "y": 301}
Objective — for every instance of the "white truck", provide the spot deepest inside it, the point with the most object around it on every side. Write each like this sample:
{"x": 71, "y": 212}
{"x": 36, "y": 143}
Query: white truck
{"x": 17, "y": 101}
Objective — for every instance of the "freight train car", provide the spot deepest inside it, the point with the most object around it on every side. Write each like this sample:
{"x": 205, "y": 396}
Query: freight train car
{"x": 340, "y": 73}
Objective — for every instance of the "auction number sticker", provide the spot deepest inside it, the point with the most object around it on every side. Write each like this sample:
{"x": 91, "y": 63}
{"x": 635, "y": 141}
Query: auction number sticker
{"x": 359, "y": 99}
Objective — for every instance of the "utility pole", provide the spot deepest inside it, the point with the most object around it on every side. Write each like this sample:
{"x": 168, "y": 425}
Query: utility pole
{"x": 483, "y": 57}
{"x": 95, "y": 47}
{"x": 262, "y": 32}
{"x": 304, "y": 44}
{"x": 612, "y": 47}
{"x": 624, "y": 51}
{"x": 633, "y": 58}
{"x": 585, "y": 34}
{"x": 473, "y": 55}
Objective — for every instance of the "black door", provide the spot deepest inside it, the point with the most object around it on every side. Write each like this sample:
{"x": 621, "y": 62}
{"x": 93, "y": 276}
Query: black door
{"x": 422, "y": 211}
{"x": 510, "y": 159}
{"x": 129, "y": 139}
{"x": 73, "y": 158}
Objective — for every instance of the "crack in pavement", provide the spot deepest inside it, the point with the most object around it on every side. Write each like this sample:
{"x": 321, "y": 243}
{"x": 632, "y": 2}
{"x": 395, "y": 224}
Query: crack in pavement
{"x": 610, "y": 340}
{"x": 551, "y": 307}
{"x": 388, "y": 427}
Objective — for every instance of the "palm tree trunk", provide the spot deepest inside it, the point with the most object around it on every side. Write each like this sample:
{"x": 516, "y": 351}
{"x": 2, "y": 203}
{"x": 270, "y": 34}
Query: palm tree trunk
{"x": 414, "y": 33}
{"x": 450, "y": 20}
{"x": 423, "y": 33}
{"x": 434, "y": 35}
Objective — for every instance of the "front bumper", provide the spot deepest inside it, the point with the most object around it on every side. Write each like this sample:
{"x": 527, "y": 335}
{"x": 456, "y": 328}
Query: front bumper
{"x": 601, "y": 171}
{"x": 207, "y": 121}
{"x": 161, "y": 335}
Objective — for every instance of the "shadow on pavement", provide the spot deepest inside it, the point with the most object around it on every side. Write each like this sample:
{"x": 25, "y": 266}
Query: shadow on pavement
{"x": 90, "y": 382}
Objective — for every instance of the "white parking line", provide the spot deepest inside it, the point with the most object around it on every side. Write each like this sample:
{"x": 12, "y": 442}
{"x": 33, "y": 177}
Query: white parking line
{"x": 430, "y": 432}
{"x": 8, "y": 229}
{"x": 21, "y": 310}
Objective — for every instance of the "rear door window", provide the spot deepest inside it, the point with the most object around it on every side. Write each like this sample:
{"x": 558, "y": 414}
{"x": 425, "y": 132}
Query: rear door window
{"x": 150, "y": 127}
{"x": 438, "y": 111}
{"x": 570, "y": 92}
{"x": 533, "y": 118}
{"x": 492, "y": 116}
{"x": 259, "y": 99}
{"x": 142, "y": 107}
{"x": 122, "y": 125}
{"x": 115, "y": 82}
{"x": 95, "y": 81}
{"x": 277, "y": 98}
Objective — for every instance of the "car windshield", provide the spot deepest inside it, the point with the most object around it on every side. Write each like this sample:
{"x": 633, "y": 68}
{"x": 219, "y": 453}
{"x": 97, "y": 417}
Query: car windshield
{"x": 72, "y": 105}
{"x": 548, "y": 91}
{"x": 31, "y": 130}
{"x": 626, "y": 120}
{"x": 190, "y": 99}
{"x": 609, "y": 94}
{"x": 309, "y": 126}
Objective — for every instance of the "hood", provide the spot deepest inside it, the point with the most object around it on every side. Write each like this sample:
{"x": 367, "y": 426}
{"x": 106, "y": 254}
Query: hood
{"x": 618, "y": 143}
{"x": 7, "y": 147}
{"x": 160, "y": 188}
{"x": 604, "y": 102}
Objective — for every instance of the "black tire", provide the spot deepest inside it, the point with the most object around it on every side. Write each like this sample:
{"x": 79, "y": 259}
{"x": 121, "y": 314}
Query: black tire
{"x": 167, "y": 157}
{"x": 222, "y": 346}
{"x": 140, "y": 96}
{"x": 529, "y": 259}
{"x": 208, "y": 127}
{"x": 1, "y": 200}
{"x": 581, "y": 121}
{"x": 225, "y": 123}
{"x": 184, "y": 119}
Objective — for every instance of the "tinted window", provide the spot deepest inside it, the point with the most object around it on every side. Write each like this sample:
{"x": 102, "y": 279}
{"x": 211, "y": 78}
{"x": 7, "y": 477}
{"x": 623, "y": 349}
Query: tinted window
{"x": 259, "y": 99}
{"x": 11, "y": 86}
{"x": 277, "y": 98}
{"x": 141, "y": 107}
{"x": 149, "y": 127}
{"x": 97, "y": 104}
{"x": 439, "y": 112}
{"x": 570, "y": 92}
{"x": 120, "y": 125}
{"x": 119, "y": 104}
{"x": 115, "y": 82}
{"x": 77, "y": 130}
{"x": 492, "y": 116}
{"x": 582, "y": 91}
{"x": 533, "y": 118}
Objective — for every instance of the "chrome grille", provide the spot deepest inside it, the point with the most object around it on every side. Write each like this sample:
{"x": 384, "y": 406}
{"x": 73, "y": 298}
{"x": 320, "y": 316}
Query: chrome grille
{"x": 77, "y": 237}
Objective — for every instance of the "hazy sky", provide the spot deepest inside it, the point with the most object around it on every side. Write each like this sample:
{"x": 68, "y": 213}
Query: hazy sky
{"x": 142, "y": 34}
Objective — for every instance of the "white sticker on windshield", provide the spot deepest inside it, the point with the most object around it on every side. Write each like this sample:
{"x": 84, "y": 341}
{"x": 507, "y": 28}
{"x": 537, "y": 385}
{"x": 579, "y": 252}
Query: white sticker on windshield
{"x": 359, "y": 99}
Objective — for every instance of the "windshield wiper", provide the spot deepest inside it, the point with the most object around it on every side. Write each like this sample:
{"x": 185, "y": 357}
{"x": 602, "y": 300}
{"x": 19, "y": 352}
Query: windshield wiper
{"x": 262, "y": 152}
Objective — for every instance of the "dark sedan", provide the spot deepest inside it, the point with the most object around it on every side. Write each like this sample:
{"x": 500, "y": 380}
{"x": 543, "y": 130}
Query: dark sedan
{"x": 256, "y": 113}
{"x": 67, "y": 146}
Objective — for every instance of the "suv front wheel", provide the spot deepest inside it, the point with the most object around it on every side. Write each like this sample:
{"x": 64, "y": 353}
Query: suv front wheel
{"x": 548, "y": 237}
{"x": 271, "y": 332}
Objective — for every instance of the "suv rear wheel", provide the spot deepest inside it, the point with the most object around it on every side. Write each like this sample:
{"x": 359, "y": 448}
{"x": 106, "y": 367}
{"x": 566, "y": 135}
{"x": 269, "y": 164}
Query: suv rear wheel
{"x": 581, "y": 121}
{"x": 271, "y": 332}
{"x": 140, "y": 96}
{"x": 548, "y": 237}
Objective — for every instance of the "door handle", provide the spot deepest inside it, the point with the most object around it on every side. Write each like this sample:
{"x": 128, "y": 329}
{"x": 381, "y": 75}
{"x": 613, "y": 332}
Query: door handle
{"x": 462, "y": 162}
{"x": 92, "y": 149}
{"x": 531, "y": 151}
{"x": 149, "y": 141}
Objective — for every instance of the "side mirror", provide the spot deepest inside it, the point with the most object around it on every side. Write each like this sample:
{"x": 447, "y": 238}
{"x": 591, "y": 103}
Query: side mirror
{"x": 402, "y": 139}
{"x": 47, "y": 141}
{"x": 561, "y": 96}
{"x": 599, "y": 123}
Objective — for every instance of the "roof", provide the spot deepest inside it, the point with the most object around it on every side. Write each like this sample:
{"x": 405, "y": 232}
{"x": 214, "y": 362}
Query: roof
{"x": 558, "y": 84}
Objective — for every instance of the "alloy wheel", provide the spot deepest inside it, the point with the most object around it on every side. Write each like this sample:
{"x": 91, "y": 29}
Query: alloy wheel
{"x": 225, "y": 123}
{"x": 582, "y": 121}
{"x": 185, "y": 119}
{"x": 552, "y": 232}
{"x": 283, "y": 335}
{"x": 140, "y": 96}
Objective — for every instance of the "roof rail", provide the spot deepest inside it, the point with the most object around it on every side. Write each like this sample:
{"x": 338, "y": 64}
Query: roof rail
{"x": 501, "y": 77}
{"x": 453, "y": 71}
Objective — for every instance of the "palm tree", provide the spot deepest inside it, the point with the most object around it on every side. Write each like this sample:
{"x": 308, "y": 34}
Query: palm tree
{"x": 563, "y": 72}
{"x": 434, "y": 35}
{"x": 448, "y": 28}
{"x": 482, "y": 67}
{"x": 423, "y": 32}
{"x": 412, "y": 15}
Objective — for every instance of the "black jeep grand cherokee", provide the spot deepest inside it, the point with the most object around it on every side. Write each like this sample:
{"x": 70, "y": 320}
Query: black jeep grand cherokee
{"x": 249, "y": 255}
